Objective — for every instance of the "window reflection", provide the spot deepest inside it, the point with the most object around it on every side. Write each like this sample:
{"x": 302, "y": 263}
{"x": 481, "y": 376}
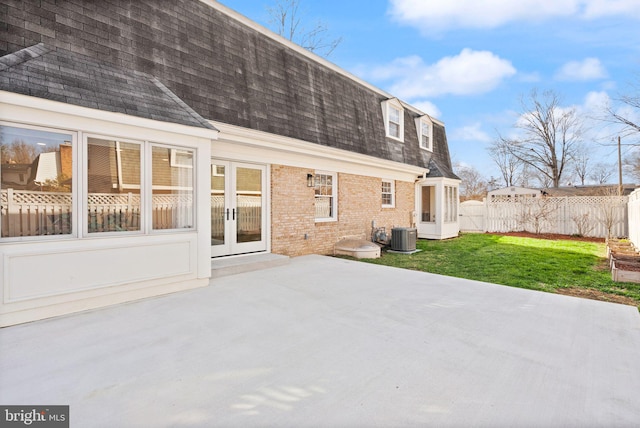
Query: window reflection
{"x": 37, "y": 175}
{"x": 113, "y": 185}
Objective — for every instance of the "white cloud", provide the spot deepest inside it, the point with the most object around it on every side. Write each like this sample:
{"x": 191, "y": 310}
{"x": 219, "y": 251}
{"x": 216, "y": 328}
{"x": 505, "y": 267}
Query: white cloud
{"x": 598, "y": 8}
{"x": 434, "y": 16}
{"x": 470, "y": 72}
{"x": 587, "y": 69}
{"x": 471, "y": 132}
{"x": 596, "y": 102}
{"x": 427, "y": 107}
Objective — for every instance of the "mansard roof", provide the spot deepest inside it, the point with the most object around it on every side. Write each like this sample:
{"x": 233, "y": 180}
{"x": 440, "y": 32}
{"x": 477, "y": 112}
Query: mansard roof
{"x": 61, "y": 75}
{"x": 231, "y": 70}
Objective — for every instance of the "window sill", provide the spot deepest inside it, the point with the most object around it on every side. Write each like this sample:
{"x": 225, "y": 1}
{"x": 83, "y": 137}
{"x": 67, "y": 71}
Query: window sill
{"x": 326, "y": 220}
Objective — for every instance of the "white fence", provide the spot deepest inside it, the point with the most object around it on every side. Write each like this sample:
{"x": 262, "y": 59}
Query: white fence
{"x": 35, "y": 213}
{"x": 248, "y": 214}
{"x": 595, "y": 216}
{"x": 634, "y": 218}
{"x": 472, "y": 215}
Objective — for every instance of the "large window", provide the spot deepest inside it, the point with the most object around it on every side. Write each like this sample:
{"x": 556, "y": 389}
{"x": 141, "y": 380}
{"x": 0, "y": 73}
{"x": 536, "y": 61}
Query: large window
{"x": 326, "y": 192}
{"x": 450, "y": 204}
{"x": 37, "y": 182}
{"x": 40, "y": 195}
{"x": 428, "y": 204}
{"x": 113, "y": 185}
{"x": 388, "y": 193}
{"x": 173, "y": 191}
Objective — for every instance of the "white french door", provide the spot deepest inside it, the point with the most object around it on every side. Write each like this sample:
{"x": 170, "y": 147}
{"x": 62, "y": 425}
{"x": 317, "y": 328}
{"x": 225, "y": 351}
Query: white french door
{"x": 238, "y": 208}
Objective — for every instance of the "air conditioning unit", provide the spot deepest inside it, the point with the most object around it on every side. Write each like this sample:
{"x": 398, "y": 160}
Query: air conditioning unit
{"x": 403, "y": 239}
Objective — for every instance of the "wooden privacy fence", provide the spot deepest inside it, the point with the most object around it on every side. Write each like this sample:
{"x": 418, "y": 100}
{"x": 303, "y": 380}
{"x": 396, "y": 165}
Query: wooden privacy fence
{"x": 634, "y": 218}
{"x": 594, "y": 216}
{"x": 36, "y": 213}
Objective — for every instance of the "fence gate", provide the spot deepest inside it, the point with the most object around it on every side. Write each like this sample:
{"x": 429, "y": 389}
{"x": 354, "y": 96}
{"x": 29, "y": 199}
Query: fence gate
{"x": 472, "y": 216}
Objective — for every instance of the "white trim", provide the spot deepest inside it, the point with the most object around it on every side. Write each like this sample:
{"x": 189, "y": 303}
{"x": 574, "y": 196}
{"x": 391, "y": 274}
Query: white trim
{"x": 12, "y": 98}
{"x": 235, "y": 142}
{"x": 425, "y": 119}
{"x": 334, "y": 197}
{"x": 396, "y": 105}
{"x": 392, "y": 192}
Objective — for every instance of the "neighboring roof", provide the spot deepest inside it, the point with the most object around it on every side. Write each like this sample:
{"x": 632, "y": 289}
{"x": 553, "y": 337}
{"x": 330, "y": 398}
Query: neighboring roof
{"x": 514, "y": 190}
{"x": 591, "y": 190}
{"x": 61, "y": 75}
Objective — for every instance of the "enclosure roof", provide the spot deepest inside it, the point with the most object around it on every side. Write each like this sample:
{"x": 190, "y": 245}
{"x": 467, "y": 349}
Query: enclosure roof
{"x": 61, "y": 75}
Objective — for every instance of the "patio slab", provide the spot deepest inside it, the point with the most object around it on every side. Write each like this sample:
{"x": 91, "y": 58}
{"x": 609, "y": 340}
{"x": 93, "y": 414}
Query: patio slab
{"x": 329, "y": 342}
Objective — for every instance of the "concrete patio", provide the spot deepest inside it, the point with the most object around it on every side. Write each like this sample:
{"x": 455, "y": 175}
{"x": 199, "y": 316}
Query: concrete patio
{"x": 329, "y": 342}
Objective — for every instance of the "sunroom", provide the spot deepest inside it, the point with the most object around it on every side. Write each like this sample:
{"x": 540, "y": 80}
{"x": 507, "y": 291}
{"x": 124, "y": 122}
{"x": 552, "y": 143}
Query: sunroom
{"x": 105, "y": 186}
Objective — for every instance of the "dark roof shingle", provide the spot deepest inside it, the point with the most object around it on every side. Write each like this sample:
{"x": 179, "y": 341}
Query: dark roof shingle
{"x": 61, "y": 75}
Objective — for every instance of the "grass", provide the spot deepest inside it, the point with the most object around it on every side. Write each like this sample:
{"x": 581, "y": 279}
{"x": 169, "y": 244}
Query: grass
{"x": 561, "y": 266}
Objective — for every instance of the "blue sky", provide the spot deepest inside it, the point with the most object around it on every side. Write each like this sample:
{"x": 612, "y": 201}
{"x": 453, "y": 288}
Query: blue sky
{"x": 469, "y": 62}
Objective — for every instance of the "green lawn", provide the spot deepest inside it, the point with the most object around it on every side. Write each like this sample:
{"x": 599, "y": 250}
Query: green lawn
{"x": 568, "y": 267}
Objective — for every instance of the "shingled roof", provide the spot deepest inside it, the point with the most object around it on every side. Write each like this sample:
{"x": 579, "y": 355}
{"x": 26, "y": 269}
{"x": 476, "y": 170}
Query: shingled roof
{"x": 61, "y": 75}
{"x": 229, "y": 69}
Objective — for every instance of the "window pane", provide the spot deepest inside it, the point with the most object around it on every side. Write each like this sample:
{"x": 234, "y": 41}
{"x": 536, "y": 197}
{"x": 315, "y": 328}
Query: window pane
{"x": 428, "y": 196}
{"x": 394, "y": 115}
{"x": 172, "y": 172}
{"x": 387, "y": 193}
{"x": 218, "y": 207}
{"x": 37, "y": 174}
{"x": 324, "y": 196}
{"x": 249, "y": 204}
{"x": 394, "y": 130}
{"x": 113, "y": 170}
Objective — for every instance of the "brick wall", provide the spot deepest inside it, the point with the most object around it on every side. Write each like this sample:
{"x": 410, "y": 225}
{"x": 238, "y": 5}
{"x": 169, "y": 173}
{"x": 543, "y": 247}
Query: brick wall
{"x": 359, "y": 203}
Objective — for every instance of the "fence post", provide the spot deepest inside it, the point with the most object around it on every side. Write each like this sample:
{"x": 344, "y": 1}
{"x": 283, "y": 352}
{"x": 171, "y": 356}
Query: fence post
{"x": 12, "y": 212}
{"x": 565, "y": 221}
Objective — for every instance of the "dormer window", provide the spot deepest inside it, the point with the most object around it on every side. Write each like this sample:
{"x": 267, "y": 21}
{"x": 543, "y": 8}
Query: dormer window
{"x": 424, "y": 126}
{"x": 393, "y": 114}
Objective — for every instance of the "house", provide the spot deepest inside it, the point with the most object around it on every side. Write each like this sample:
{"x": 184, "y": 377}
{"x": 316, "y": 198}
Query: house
{"x": 183, "y": 132}
{"x": 514, "y": 193}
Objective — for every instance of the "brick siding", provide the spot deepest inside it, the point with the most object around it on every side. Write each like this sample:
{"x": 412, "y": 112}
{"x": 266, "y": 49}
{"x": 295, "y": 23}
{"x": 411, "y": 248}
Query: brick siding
{"x": 359, "y": 203}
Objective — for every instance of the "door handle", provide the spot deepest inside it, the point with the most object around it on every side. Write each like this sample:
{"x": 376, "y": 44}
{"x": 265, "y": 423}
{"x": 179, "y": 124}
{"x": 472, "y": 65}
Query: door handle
{"x": 234, "y": 214}
{"x": 227, "y": 214}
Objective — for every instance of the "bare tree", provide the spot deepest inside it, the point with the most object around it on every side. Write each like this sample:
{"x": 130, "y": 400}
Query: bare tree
{"x": 626, "y": 110}
{"x": 508, "y": 164}
{"x": 633, "y": 164}
{"x": 536, "y": 214}
{"x": 287, "y": 20}
{"x": 601, "y": 172}
{"x": 609, "y": 213}
{"x": 473, "y": 184}
{"x": 581, "y": 164}
{"x": 584, "y": 224}
{"x": 19, "y": 151}
{"x": 550, "y": 138}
